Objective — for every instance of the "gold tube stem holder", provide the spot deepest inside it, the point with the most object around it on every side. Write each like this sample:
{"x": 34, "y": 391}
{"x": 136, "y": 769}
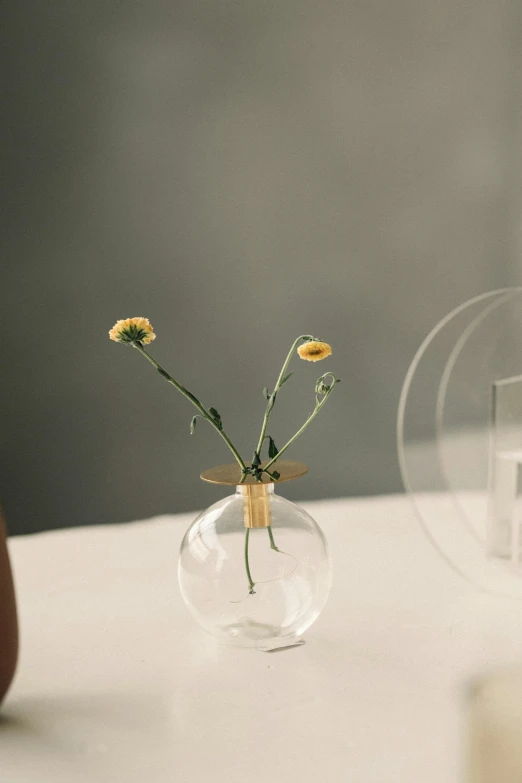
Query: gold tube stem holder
{"x": 256, "y": 505}
{"x": 256, "y": 494}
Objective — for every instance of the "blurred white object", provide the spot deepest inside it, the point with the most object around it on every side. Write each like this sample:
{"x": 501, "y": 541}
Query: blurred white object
{"x": 506, "y": 460}
{"x": 495, "y": 728}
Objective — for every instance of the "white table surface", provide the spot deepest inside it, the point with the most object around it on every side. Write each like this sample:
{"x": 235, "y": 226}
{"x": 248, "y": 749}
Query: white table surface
{"x": 117, "y": 684}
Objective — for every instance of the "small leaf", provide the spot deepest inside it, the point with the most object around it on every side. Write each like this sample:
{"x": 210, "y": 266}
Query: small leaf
{"x": 272, "y": 448}
{"x": 286, "y": 378}
{"x": 217, "y": 418}
{"x": 276, "y": 474}
{"x": 193, "y": 425}
{"x": 266, "y": 393}
{"x": 256, "y": 461}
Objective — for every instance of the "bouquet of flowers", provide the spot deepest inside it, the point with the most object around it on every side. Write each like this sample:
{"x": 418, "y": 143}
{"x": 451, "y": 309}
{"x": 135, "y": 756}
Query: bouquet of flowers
{"x": 138, "y": 332}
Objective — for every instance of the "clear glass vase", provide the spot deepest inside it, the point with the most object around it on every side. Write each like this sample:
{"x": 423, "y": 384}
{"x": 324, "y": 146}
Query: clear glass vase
{"x": 254, "y": 569}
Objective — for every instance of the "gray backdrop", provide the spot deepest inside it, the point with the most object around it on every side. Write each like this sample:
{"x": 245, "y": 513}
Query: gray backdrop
{"x": 239, "y": 173}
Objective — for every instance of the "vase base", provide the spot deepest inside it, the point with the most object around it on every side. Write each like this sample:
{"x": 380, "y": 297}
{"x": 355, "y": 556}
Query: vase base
{"x": 248, "y": 633}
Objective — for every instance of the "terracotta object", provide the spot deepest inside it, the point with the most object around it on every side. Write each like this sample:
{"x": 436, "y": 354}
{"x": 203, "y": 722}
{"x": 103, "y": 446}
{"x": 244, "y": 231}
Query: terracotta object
{"x": 8, "y": 619}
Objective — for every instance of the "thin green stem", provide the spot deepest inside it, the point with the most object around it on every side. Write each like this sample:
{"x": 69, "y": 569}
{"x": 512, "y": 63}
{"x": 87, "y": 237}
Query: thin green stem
{"x": 251, "y": 583}
{"x": 194, "y": 400}
{"x": 300, "y": 431}
{"x": 272, "y": 541}
{"x": 272, "y": 398}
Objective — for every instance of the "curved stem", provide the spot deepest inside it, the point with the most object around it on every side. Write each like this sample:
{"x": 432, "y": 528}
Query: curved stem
{"x": 251, "y": 583}
{"x": 300, "y": 431}
{"x": 272, "y": 540}
{"x": 194, "y": 401}
{"x": 272, "y": 398}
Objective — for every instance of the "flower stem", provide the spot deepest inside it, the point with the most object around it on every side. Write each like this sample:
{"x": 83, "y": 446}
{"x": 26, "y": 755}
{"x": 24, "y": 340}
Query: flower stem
{"x": 251, "y": 583}
{"x": 272, "y": 398}
{"x": 300, "y": 431}
{"x": 194, "y": 400}
{"x": 272, "y": 541}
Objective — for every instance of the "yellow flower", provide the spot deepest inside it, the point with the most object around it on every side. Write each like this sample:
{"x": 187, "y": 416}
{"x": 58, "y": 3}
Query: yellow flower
{"x": 314, "y": 351}
{"x": 132, "y": 330}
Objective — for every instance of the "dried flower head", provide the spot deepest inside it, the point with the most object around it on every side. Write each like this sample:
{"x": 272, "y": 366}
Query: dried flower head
{"x": 314, "y": 351}
{"x": 132, "y": 330}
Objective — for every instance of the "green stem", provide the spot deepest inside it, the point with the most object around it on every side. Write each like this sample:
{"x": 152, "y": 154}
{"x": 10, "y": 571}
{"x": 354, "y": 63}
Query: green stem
{"x": 300, "y": 431}
{"x": 194, "y": 400}
{"x": 272, "y": 541}
{"x": 272, "y": 398}
{"x": 251, "y": 583}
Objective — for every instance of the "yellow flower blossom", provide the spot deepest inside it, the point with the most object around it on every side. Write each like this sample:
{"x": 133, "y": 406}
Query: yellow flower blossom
{"x": 132, "y": 330}
{"x": 314, "y": 351}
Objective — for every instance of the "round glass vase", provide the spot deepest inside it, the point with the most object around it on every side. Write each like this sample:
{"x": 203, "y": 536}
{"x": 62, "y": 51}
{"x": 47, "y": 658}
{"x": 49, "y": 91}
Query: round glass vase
{"x": 254, "y": 569}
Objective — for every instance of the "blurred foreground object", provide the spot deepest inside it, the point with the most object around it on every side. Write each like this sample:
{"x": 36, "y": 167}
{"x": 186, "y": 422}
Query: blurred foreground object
{"x": 8, "y": 619}
{"x": 495, "y": 729}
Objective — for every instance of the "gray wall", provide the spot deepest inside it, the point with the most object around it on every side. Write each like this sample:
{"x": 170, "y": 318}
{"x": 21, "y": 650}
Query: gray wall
{"x": 240, "y": 173}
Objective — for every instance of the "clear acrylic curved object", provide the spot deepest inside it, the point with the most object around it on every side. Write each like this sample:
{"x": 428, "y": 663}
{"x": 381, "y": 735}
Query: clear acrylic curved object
{"x": 290, "y": 567}
{"x": 459, "y": 439}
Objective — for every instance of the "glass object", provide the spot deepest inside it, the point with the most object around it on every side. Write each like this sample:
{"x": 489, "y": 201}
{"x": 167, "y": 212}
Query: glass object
{"x": 459, "y": 436}
{"x": 254, "y": 569}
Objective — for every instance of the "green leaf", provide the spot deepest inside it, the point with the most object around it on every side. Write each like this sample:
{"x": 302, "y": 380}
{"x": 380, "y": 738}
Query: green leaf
{"x": 193, "y": 425}
{"x": 276, "y": 474}
{"x": 272, "y": 448}
{"x": 266, "y": 393}
{"x": 286, "y": 378}
{"x": 217, "y": 418}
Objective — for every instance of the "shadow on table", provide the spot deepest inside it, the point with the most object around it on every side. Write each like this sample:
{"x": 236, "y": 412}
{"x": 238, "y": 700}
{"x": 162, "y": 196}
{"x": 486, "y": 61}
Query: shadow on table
{"x": 88, "y": 732}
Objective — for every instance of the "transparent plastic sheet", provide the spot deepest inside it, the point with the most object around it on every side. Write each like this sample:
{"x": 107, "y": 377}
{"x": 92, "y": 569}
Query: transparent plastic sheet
{"x": 459, "y": 439}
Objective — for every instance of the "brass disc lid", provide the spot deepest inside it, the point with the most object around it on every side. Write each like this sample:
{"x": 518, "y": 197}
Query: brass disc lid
{"x": 230, "y": 475}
